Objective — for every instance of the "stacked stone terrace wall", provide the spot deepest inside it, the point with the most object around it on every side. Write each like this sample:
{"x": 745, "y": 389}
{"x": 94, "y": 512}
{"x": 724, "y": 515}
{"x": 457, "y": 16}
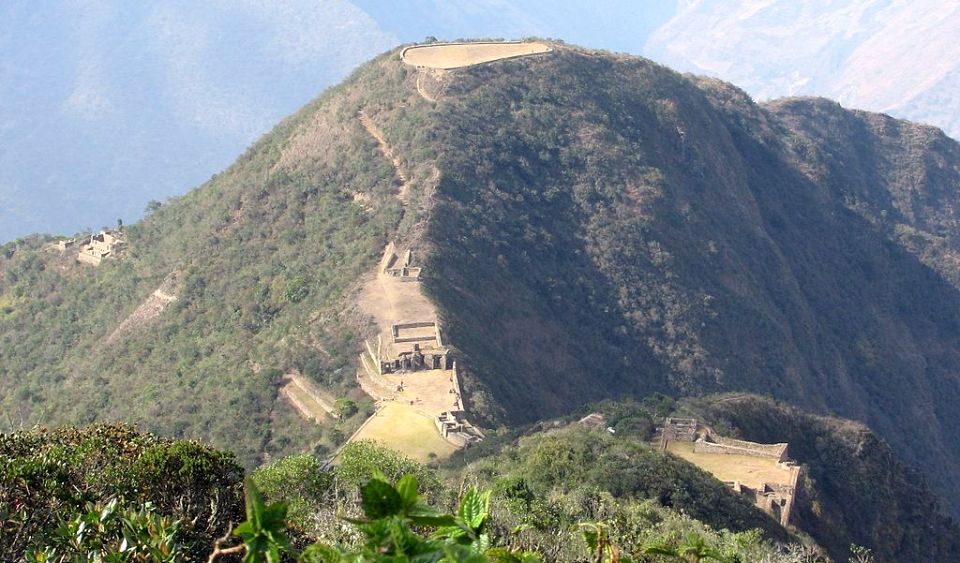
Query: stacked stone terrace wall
{"x": 720, "y": 445}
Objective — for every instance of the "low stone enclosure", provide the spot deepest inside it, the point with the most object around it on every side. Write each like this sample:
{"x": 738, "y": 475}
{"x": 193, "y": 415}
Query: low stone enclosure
{"x": 678, "y": 429}
{"x": 104, "y": 245}
{"x": 773, "y": 497}
{"x": 456, "y": 430}
{"x": 404, "y": 269}
{"x": 417, "y": 331}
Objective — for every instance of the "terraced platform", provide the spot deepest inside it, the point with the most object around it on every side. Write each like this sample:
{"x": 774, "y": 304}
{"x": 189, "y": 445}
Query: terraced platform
{"x": 447, "y": 56}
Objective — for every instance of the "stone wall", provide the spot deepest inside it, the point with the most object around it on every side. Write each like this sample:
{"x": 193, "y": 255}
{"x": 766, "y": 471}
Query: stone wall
{"x": 456, "y": 386}
{"x": 676, "y": 430}
{"x": 720, "y": 445}
{"x": 456, "y": 430}
{"x": 398, "y": 338}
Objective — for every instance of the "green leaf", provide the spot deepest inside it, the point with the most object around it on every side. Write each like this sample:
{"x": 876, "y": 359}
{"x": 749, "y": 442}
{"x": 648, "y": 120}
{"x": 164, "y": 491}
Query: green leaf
{"x": 462, "y": 554}
{"x": 455, "y": 532}
{"x": 243, "y": 530}
{"x": 254, "y": 505}
{"x": 473, "y": 508}
{"x": 407, "y": 487}
{"x": 592, "y": 537}
{"x": 319, "y": 553}
{"x": 379, "y": 499}
{"x": 501, "y": 555}
{"x": 423, "y": 515}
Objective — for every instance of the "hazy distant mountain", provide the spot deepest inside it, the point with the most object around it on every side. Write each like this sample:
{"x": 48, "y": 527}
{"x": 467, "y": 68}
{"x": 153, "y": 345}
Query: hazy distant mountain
{"x": 106, "y": 104}
{"x": 900, "y": 57}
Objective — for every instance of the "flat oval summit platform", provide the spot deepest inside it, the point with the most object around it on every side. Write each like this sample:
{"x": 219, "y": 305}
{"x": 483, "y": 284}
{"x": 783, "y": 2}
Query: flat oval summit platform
{"x": 456, "y": 55}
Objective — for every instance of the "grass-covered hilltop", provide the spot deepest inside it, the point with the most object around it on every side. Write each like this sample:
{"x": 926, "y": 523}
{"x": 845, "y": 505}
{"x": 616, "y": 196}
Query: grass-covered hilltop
{"x": 511, "y": 232}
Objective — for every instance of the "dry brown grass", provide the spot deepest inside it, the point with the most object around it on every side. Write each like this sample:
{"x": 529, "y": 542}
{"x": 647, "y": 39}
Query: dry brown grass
{"x": 403, "y": 428}
{"x": 456, "y": 55}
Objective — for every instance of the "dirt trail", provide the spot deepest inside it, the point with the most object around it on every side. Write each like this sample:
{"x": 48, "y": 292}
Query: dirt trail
{"x": 149, "y": 309}
{"x": 426, "y": 77}
{"x": 420, "y": 89}
{"x": 408, "y": 324}
{"x": 387, "y": 151}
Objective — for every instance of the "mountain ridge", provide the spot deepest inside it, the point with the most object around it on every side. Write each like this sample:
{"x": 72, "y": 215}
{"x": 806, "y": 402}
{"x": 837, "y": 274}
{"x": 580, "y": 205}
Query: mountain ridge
{"x": 601, "y": 226}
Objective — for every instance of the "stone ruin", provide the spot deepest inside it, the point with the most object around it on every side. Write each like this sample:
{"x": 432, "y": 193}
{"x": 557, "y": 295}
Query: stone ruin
{"x": 593, "y": 421}
{"x": 712, "y": 443}
{"x": 414, "y": 346}
{"x": 455, "y": 429}
{"x": 417, "y": 361}
{"x": 773, "y": 498}
{"x": 676, "y": 430}
{"x": 403, "y": 268}
{"x": 64, "y": 244}
{"x": 106, "y": 244}
{"x": 776, "y": 499}
{"x": 419, "y": 331}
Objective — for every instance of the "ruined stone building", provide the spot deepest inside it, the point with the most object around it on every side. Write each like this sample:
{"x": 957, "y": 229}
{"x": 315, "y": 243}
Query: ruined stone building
{"x": 775, "y": 494}
{"x": 104, "y": 245}
{"x": 456, "y": 430}
{"x": 403, "y": 268}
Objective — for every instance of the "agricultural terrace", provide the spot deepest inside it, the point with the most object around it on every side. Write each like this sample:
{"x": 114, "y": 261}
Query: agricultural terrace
{"x": 456, "y": 55}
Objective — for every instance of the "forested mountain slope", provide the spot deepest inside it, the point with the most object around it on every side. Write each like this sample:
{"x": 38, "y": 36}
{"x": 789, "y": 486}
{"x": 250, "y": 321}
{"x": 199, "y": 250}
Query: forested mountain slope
{"x": 597, "y": 226}
{"x": 628, "y": 229}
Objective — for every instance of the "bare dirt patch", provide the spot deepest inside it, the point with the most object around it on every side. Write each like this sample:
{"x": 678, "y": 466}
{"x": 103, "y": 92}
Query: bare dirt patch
{"x": 391, "y": 301}
{"x": 431, "y": 392}
{"x": 457, "y": 55}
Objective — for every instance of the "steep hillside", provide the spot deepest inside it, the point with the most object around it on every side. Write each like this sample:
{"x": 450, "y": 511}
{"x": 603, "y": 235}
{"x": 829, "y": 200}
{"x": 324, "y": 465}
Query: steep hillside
{"x": 608, "y": 227}
{"x": 592, "y": 226}
{"x": 852, "y": 489}
{"x": 263, "y": 258}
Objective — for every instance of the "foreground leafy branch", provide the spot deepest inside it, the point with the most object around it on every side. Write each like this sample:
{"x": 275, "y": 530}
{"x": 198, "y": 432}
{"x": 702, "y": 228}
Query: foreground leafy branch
{"x": 394, "y": 528}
